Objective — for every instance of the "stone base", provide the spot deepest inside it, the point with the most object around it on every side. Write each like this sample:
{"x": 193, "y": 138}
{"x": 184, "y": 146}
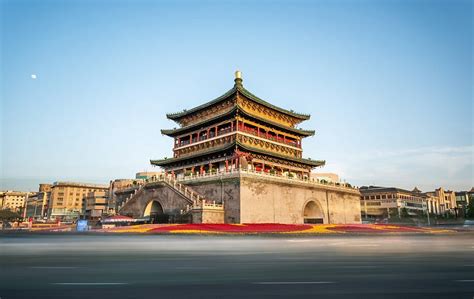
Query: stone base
{"x": 254, "y": 198}
{"x": 208, "y": 215}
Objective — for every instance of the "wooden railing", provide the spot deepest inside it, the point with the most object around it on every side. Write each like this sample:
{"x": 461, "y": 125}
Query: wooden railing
{"x": 255, "y": 132}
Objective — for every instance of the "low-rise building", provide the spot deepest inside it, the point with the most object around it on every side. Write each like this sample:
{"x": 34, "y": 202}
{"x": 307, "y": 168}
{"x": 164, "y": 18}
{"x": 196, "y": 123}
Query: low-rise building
{"x": 463, "y": 198}
{"x": 13, "y": 200}
{"x": 34, "y": 206}
{"x": 96, "y": 205}
{"x": 445, "y": 199}
{"x": 385, "y": 201}
{"x": 68, "y": 199}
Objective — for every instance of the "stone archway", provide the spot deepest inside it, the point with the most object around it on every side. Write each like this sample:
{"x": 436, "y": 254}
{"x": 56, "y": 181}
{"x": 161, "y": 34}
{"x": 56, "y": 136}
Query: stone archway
{"x": 154, "y": 210}
{"x": 312, "y": 213}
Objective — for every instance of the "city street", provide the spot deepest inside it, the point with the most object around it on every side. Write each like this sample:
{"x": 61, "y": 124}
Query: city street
{"x": 164, "y": 266}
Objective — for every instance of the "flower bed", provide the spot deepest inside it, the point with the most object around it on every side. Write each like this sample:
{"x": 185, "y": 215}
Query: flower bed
{"x": 234, "y": 228}
{"x": 272, "y": 228}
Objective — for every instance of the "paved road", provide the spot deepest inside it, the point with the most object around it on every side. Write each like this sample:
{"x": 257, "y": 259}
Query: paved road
{"x": 96, "y": 266}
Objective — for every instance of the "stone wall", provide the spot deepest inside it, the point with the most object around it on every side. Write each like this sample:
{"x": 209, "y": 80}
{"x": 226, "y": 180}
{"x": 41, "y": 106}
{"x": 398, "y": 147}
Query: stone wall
{"x": 225, "y": 190}
{"x": 208, "y": 216}
{"x": 265, "y": 200}
{"x": 259, "y": 199}
{"x": 256, "y": 199}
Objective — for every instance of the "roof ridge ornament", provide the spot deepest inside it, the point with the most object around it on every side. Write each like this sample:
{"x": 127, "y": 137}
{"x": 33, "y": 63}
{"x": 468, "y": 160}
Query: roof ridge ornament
{"x": 238, "y": 78}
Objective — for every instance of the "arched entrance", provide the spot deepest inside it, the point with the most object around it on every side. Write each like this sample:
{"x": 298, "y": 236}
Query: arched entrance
{"x": 154, "y": 210}
{"x": 313, "y": 213}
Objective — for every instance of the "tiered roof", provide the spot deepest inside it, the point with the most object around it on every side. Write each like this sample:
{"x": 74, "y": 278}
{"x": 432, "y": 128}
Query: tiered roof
{"x": 231, "y": 111}
{"x": 237, "y": 144}
{"x": 195, "y": 126}
{"x": 238, "y": 88}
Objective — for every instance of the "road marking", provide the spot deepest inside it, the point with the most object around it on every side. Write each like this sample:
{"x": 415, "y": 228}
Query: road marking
{"x": 465, "y": 280}
{"x": 294, "y": 282}
{"x": 360, "y": 267}
{"x": 364, "y": 245}
{"x": 192, "y": 268}
{"x": 88, "y": 283}
{"x": 53, "y": 267}
{"x": 298, "y": 241}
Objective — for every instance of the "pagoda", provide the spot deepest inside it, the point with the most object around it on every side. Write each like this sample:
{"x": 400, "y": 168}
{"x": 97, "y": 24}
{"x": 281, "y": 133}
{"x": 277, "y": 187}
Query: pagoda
{"x": 239, "y": 159}
{"x": 238, "y": 130}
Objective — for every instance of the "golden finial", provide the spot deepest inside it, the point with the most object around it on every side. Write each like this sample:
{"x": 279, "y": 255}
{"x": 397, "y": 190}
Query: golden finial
{"x": 238, "y": 78}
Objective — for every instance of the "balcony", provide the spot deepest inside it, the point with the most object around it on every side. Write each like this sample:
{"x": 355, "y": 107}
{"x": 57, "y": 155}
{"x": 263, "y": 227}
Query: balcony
{"x": 241, "y": 128}
{"x": 204, "y": 137}
{"x": 255, "y": 132}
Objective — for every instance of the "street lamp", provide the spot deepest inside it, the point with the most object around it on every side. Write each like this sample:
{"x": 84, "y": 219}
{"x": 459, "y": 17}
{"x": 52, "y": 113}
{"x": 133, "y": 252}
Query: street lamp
{"x": 425, "y": 208}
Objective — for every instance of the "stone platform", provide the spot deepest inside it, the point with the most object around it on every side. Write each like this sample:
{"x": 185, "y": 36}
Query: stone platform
{"x": 251, "y": 197}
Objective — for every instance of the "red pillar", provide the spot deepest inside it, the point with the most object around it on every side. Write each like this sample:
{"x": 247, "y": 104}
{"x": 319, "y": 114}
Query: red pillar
{"x": 226, "y": 165}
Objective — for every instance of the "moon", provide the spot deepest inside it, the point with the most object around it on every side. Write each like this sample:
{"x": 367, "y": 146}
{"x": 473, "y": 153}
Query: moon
{"x": 33, "y": 76}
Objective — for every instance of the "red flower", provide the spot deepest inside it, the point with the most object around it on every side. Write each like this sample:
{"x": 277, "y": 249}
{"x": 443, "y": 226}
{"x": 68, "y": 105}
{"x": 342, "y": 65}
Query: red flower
{"x": 232, "y": 228}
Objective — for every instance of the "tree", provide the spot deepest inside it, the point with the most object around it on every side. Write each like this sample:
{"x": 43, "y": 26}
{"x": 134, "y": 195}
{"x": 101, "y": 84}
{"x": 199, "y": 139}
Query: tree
{"x": 404, "y": 213}
{"x": 470, "y": 210}
{"x": 7, "y": 215}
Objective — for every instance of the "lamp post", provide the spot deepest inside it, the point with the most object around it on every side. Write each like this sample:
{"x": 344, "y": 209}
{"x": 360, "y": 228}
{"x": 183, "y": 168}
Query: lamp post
{"x": 26, "y": 205}
{"x": 425, "y": 208}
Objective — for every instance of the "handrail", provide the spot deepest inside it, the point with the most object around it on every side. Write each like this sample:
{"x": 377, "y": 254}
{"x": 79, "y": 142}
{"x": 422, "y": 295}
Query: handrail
{"x": 192, "y": 196}
{"x": 273, "y": 175}
{"x": 240, "y": 128}
{"x": 264, "y": 136}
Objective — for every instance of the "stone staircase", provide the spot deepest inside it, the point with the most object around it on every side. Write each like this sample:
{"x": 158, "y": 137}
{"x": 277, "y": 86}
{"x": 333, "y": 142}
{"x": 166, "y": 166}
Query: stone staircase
{"x": 195, "y": 200}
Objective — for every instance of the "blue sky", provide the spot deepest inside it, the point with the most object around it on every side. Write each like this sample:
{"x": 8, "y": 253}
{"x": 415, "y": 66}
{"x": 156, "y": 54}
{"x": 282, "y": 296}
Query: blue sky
{"x": 388, "y": 83}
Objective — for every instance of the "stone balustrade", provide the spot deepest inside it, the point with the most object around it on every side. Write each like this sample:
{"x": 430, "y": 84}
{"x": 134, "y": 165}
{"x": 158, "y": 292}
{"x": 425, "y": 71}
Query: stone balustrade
{"x": 201, "y": 205}
{"x": 267, "y": 174}
{"x": 168, "y": 179}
